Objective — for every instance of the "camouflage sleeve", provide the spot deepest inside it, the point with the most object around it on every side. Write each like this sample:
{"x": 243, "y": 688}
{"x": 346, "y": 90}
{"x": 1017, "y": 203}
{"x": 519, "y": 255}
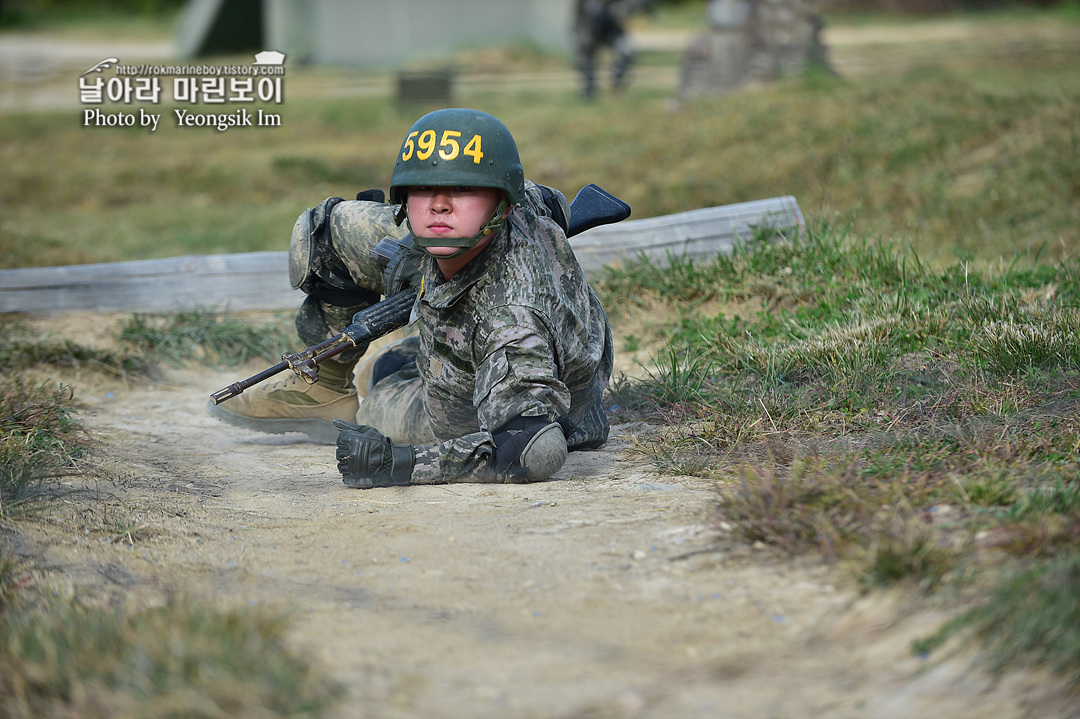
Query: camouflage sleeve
{"x": 463, "y": 459}
{"x": 472, "y": 458}
{"x": 517, "y": 377}
{"x": 356, "y": 226}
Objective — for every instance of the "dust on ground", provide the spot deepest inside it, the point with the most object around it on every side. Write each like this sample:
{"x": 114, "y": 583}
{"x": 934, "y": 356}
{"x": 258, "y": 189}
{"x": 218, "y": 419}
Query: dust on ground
{"x": 607, "y": 591}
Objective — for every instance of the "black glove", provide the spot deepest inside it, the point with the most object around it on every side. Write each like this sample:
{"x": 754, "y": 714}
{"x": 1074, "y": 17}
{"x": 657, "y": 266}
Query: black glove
{"x": 403, "y": 270}
{"x": 366, "y": 458}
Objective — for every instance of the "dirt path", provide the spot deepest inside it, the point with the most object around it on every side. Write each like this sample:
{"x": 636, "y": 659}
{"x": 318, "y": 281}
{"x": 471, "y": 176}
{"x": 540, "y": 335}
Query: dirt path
{"x": 607, "y": 591}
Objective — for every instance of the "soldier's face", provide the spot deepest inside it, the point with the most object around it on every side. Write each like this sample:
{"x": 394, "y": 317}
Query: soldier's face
{"x": 451, "y": 212}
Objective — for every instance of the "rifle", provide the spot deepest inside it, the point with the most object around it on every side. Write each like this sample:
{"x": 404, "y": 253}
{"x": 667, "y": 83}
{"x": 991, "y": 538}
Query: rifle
{"x": 592, "y": 206}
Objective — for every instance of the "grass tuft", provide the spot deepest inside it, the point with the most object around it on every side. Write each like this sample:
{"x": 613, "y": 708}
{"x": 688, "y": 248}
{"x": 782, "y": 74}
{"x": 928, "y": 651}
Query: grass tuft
{"x": 39, "y": 436}
{"x": 206, "y": 336}
{"x": 181, "y": 659}
{"x": 911, "y": 552}
{"x": 1041, "y": 340}
{"x": 21, "y": 351}
{"x": 1031, "y": 618}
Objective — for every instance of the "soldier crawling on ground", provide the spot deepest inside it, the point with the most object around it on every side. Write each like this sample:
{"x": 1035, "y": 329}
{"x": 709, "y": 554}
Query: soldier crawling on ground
{"x": 599, "y": 24}
{"x": 512, "y": 349}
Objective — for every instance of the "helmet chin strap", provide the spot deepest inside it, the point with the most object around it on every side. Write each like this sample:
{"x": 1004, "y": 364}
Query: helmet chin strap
{"x": 464, "y": 244}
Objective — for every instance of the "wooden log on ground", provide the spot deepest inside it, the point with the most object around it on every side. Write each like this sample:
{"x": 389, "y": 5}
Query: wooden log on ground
{"x": 696, "y": 233}
{"x": 259, "y": 280}
{"x": 235, "y": 282}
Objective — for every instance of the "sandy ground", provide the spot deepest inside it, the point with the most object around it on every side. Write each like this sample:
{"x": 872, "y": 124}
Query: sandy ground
{"x": 607, "y": 591}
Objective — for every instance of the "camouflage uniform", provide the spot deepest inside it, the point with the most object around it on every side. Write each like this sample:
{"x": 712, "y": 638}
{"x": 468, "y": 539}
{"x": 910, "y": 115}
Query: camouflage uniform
{"x": 512, "y": 352}
{"x": 518, "y": 331}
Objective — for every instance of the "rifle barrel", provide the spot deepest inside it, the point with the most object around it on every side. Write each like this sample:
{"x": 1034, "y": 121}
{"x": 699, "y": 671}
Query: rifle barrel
{"x": 238, "y": 387}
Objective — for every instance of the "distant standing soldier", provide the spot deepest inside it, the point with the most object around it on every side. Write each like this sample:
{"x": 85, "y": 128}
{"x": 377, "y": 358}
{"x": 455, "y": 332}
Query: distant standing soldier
{"x": 600, "y": 24}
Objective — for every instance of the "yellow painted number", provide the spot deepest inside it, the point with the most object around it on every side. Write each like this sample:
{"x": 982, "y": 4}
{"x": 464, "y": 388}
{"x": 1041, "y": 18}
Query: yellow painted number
{"x": 408, "y": 147}
{"x": 426, "y": 144}
{"x": 474, "y": 150}
{"x": 448, "y": 147}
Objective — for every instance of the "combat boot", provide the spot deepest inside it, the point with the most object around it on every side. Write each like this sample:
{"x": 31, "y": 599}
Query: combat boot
{"x": 392, "y": 357}
{"x": 293, "y": 405}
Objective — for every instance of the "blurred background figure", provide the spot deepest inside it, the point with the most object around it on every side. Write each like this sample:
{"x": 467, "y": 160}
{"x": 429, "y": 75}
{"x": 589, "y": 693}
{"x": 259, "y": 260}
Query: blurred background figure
{"x": 749, "y": 41}
{"x": 601, "y": 24}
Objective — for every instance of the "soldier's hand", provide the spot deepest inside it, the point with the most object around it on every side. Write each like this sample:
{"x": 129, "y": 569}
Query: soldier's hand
{"x": 366, "y": 458}
{"x": 403, "y": 270}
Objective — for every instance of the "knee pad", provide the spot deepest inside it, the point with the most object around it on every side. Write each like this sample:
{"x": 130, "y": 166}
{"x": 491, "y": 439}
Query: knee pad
{"x": 544, "y": 454}
{"x": 528, "y": 449}
{"x": 311, "y": 255}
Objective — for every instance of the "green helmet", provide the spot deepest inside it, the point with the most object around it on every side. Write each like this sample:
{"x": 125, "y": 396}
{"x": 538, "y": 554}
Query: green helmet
{"x": 458, "y": 147}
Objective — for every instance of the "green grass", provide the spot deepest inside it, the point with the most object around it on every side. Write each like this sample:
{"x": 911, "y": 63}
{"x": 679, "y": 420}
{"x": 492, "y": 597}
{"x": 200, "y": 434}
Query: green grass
{"x": 22, "y": 350}
{"x": 1032, "y": 618}
{"x": 143, "y": 341}
{"x": 853, "y": 400}
{"x": 209, "y": 337}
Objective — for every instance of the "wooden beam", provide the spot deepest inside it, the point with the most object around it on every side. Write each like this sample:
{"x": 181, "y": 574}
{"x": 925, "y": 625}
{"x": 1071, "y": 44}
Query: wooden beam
{"x": 246, "y": 281}
{"x": 695, "y": 233}
{"x": 259, "y": 280}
